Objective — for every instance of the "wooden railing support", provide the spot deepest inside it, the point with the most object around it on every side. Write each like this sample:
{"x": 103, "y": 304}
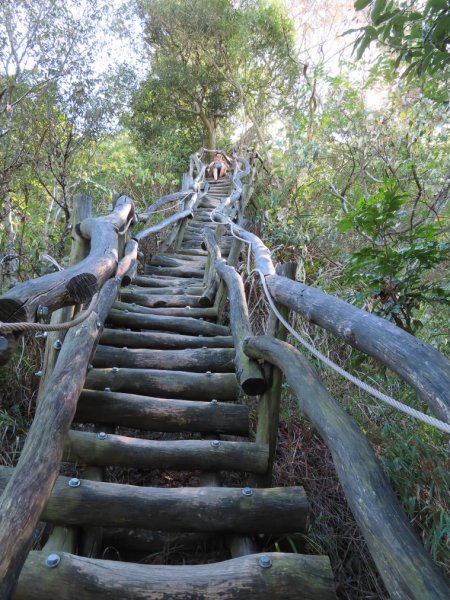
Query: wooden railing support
{"x": 403, "y": 563}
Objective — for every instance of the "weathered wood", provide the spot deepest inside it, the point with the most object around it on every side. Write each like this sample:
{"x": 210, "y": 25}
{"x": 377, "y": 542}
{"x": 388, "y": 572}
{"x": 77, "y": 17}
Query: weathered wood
{"x": 216, "y": 360}
{"x": 405, "y": 567}
{"x": 162, "y": 282}
{"x": 179, "y": 216}
{"x": 291, "y": 577}
{"x": 162, "y": 340}
{"x": 39, "y": 461}
{"x": 184, "y": 455}
{"x": 157, "y": 322}
{"x": 161, "y": 300}
{"x": 169, "y": 261}
{"x": 180, "y": 384}
{"x": 161, "y": 414}
{"x": 248, "y": 372}
{"x": 269, "y": 403}
{"x": 185, "y": 271}
{"x": 164, "y": 291}
{"x": 129, "y": 265}
{"x": 274, "y": 510}
{"x": 211, "y": 280}
{"x": 188, "y": 311}
{"x": 419, "y": 364}
{"x": 76, "y": 284}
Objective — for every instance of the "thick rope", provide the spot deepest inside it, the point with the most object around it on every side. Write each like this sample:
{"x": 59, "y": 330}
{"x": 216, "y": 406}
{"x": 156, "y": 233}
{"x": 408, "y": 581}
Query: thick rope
{"x": 25, "y": 326}
{"x": 445, "y": 427}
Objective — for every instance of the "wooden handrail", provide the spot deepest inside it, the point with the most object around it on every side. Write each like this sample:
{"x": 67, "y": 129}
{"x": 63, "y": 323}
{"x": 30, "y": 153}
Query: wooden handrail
{"x": 404, "y": 565}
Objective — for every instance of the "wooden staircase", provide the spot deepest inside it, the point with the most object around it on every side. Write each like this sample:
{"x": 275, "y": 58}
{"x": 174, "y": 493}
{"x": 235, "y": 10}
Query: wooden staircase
{"x": 164, "y": 407}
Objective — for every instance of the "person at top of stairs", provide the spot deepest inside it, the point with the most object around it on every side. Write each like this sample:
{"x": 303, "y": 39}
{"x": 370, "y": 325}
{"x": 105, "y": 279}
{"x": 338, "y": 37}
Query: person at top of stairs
{"x": 218, "y": 166}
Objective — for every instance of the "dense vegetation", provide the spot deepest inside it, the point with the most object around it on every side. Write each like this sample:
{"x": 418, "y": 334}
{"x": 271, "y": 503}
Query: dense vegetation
{"x": 351, "y": 120}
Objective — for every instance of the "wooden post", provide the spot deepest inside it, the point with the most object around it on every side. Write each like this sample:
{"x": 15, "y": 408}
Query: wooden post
{"x": 269, "y": 404}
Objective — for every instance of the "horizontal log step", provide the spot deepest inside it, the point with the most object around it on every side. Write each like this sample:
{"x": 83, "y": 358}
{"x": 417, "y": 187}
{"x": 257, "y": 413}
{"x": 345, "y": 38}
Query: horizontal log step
{"x": 186, "y": 325}
{"x": 175, "y": 271}
{"x": 195, "y": 251}
{"x": 290, "y": 577}
{"x": 200, "y": 360}
{"x": 158, "y": 281}
{"x": 100, "y": 504}
{"x": 162, "y": 340}
{"x": 192, "y": 290}
{"x": 166, "y": 261}
{"x": 162, "y": 301}
{"x": 197, "y": 313}
{"x": 161, "y": 414}
{"x": 182, "y": 455}
{"x": 176, "y": 384}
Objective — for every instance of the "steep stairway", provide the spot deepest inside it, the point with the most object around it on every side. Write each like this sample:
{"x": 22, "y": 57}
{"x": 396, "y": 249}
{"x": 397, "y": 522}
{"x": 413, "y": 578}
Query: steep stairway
{"x": 162, "y": 505}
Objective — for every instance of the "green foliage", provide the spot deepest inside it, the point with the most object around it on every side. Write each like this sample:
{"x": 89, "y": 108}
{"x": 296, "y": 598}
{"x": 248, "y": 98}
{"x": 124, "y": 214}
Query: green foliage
{"x": 417, "y": 34}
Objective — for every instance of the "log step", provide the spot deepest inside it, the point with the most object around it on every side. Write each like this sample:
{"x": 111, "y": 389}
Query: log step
{"x": 164, "y": 291}
{"x": 161, "y": 282}
{"x": 179, "y": 384}
{"x": 99, "y": 504}
{"x": 162, "y": 340}
{"x": 182, "y": 455}
{"x": 164, "y": 300}
{"x": 200, "y": 360}
{"x": 197, "y": 313}
{"x": 185, "y": 271}
{"x": 290, "y": 577}
{"x": 161, "y": 414}
{"x": 186, "y": 325}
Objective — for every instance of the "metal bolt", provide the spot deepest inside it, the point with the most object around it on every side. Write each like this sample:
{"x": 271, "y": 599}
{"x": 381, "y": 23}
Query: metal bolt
{"x": 124, "y": 348}
{"x": 265, "y": 562}
{"x": 43, "y": 334}
{"x": 247, "y": 491}
{"x": 115, "y": 369}
{"x": 57, "y": 345}
{"x": 215, "y": 443}
{"x": 246, "y": 339}
{"x": 107, "y": 389}
{"x": 208, "y": 373}
{"x": 134, "y": 304}
{"x": 125, "y": 311}
{"x": 41, "y": 310}
{"x": 102, "y": 435}
{"x": 90, "y": 367}
{"x": 52, "y": 560}
{"x": 98, "y": 324}
{"x": 213, "y": 401}
{"x": 38, "y": 373}
{"x": 74, "y": 482}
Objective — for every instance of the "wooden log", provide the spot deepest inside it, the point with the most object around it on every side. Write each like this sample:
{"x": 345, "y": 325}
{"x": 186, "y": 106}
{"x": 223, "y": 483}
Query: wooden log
{"x": 186, "y": 271}
{"x": 165, "y": 291}
{"x": 161, "y": 282}
{"x": 210, "y": 242}
{"x": 202, "y": 313}
{"x": 179, "y": 216}
{"x": 195, "y": 252}
{"x": 161, "y": 414}
{"x": 248, "y": 372}
{"x": 130, "y": 268}
{"x": 419, "y": 364}
{"x": 39, "y": 461}
{"x": 183, "y": 455}
{"x": 180, "y": 384}
{"x": 274, "y": 510}
{"x": 156, "y": 322}
{"x": 200, "y": 360}
{"x": 168, "y": 261}
{"x": 290, "y": 577}
{"x": 76, "y": 284}
{"x": 269, "y": 403}
{"x": 162, "y": 301}
{"x": 162, "y": 340}
{"x": 405, "y": 567}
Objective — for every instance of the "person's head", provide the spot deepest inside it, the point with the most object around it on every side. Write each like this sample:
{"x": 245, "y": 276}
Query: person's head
{"x": 218, "y": 155}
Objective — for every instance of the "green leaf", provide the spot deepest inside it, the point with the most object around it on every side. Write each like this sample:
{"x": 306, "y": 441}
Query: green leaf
{"x": 361, "y": 4}
{"x": 377, "y": 10}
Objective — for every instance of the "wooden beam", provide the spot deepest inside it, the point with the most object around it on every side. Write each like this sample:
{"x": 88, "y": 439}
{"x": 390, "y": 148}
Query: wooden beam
{"x": 419, "y": 364}
{"x": 180, "y": 384}
{"x": 290, "y": 577}
{"x": 248, "y": 372}
{"x": 403, "y": 564}
{"x": 162, "y": 340}
{"x": 274, "y": 510}
{"x": 161, "y": 414}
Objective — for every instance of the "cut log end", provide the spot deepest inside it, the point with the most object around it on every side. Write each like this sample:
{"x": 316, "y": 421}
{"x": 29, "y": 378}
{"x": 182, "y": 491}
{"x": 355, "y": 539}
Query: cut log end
{"x": 12, "y": 310}
{"x": 254, "y": 386}
{"x": 82, "y": 287}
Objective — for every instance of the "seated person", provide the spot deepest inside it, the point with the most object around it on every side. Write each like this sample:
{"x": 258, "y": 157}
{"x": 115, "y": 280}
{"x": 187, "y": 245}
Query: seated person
{"x": 218, "y": 166}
